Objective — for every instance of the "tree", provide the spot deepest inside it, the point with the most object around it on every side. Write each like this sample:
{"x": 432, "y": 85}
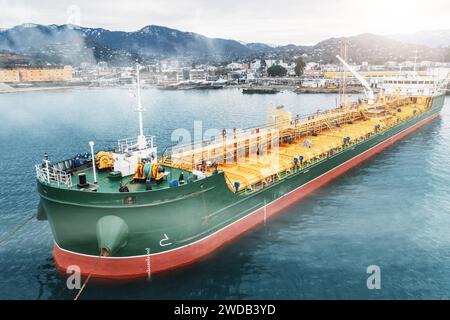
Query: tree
{"x": 263, "y": 65}
{"x": 276, "y": 71}
{"x": 299, "y": 66}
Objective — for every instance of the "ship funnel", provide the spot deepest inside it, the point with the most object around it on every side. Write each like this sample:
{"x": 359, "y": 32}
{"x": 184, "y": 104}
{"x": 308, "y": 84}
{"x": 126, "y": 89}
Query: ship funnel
{"x": 112, "y": 234}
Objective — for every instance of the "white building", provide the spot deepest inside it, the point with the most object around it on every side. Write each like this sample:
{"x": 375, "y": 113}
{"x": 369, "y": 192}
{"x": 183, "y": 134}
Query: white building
{"x": 180, "y": 75}
{"x": 197, "y": 74}
{"x": 311, "y": 66}
{"x": 270, "y": 62}
{"x": 330, "y": 68}
{"x": 314, "y": 83}
{"x": 255, "y": 65}
{"x": 234, "y": 66}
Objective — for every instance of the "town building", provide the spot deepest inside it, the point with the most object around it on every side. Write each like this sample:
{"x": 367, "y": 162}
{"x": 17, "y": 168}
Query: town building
{"x": 234, "y": 66}
{"x": 9, "y": 75}
{"x": 36, "y": 74}
{"x": 197, "y": 74}
{"x": 255, "y": 65}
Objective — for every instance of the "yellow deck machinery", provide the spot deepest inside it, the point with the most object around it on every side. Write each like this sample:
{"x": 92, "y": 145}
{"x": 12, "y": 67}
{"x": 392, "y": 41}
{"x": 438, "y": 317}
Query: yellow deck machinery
{"x": 104, "y": 161}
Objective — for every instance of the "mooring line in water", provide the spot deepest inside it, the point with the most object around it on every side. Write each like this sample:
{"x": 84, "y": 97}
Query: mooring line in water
{"x": 17, "y": 228}
{"x": 87, "y": 279}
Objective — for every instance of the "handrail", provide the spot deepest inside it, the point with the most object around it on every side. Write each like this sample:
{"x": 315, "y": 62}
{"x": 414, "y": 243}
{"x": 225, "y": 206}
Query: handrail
{"x": 50, "y": 174}
{"x": 129, "y": 143}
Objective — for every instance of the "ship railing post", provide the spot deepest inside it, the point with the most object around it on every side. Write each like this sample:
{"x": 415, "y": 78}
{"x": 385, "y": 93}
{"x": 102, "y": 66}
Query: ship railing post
{"x": 46, "y": 167}
{"x": 91, "y": 144}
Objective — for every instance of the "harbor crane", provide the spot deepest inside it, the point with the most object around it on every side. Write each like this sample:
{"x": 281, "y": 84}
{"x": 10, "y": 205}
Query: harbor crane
{"x": 368, "y": 90}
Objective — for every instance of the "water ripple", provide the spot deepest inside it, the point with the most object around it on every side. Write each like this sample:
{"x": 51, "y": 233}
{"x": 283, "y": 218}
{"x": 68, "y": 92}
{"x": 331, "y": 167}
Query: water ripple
{"x": 392, "y": 211}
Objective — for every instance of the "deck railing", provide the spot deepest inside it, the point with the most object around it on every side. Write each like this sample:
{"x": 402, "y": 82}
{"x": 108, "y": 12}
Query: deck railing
{"x": 130, "y": 144}
{"x": 51, "y": 174}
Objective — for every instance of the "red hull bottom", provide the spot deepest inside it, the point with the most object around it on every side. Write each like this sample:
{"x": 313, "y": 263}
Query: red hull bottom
{"x": 146, "y": 265}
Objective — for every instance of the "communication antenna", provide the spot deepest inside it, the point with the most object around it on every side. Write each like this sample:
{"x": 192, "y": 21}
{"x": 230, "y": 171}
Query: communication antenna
{"x": 142, "y": 142}
{"x": 343, "y": 78}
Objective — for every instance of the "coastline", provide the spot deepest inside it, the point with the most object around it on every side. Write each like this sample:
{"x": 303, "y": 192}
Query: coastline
{"x": 280, "y": 88}
{"x": 18, "y": 90}
{"x": 49, "y": 86}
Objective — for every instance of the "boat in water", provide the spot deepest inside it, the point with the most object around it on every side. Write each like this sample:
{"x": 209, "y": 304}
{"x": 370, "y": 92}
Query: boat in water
{"x": 192, "y": 85}
{"x": 130, "y": 212}
{"x": 253, "y": 90}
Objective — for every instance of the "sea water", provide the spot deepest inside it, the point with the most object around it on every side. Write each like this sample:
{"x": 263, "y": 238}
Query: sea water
{"x": 393, "y": 211}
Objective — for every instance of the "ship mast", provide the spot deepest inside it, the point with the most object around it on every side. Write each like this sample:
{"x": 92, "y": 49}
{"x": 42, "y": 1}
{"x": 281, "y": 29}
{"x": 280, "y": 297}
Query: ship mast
{"x": 343, "y": 84}
{"x": 142, "y": 142}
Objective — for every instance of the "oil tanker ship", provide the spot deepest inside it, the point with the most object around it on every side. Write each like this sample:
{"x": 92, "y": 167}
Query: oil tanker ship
{"x": 130, "y": 212}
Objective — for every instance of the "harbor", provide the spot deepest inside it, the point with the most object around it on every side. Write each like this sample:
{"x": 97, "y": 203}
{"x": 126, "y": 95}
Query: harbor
{"x": 247, "y": 74}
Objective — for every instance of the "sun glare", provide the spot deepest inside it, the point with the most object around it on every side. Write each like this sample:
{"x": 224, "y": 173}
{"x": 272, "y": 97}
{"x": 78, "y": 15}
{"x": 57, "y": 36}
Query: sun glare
{"x": 400, "y": 16}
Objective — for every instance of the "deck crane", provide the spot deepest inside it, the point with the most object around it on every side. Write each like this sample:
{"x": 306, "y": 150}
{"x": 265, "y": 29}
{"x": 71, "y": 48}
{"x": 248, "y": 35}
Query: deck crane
{"x": 368, "y": 90}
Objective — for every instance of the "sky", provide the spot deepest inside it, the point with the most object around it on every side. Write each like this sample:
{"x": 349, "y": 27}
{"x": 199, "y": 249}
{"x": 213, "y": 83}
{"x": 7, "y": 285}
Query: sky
{"x": 275, "y": 22}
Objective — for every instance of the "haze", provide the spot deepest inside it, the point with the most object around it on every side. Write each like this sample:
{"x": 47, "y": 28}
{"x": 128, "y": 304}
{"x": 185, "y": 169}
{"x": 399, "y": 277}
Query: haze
{"x": 270, "y": 21}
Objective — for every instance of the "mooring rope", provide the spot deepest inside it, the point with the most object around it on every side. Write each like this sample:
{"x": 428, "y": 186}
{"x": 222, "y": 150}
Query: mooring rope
{"x": 17, "y": 228}
{"x": 87, "y": 279}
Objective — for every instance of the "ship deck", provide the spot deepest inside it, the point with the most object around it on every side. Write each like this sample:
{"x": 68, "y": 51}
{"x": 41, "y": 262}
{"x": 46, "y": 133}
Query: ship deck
{"x": 278, "y": 163}
{"x": 312, "y": 140}
{"x": 251, "y": 160}
{"x": 107, "y": 185}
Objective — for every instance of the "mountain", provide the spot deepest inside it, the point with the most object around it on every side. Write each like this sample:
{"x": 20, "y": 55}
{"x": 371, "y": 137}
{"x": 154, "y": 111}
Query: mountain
{"x": 259, "y": 46}
{"x": 80, "y": 44}
{"x": 58, "y": 44}
{"x": 430, "y": 38}
{"x": 160, "y": 41}
{"x": 376, "y": 49}
{"x": 372, "y": 48}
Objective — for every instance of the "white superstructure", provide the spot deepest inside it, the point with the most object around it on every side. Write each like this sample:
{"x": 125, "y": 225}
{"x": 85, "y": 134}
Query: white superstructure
{"x": 413, "y": 84}
{"x": 130, "y": 150}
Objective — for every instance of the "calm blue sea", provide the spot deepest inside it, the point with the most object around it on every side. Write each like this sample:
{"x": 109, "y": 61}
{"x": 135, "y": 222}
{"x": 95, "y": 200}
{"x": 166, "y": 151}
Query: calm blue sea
{"x": 393, "y": 211}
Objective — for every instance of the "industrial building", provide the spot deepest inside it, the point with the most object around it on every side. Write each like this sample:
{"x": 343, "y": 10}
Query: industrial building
{"x": 36, "y": 74}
